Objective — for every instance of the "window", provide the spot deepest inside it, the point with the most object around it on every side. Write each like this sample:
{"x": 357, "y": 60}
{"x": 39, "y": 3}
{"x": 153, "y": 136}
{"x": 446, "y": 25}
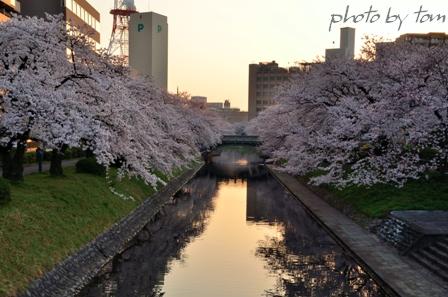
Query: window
{"x": 258, "y": 102}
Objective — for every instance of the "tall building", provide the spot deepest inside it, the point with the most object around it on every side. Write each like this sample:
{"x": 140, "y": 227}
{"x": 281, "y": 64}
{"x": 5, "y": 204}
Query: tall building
{"x": 264, "y": 78}
{"x": 346, "y": 48}
{"x": 148, "y": 46}
{"x": 77, "y": 12}
{"x": 7, "y": 8}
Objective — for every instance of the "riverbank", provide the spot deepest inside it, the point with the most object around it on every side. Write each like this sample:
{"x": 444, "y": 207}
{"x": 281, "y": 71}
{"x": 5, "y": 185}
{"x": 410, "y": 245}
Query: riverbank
{"x": 368, "y": 205}
{"x": 397, "y": 276}
{"x": 49, "y": 219}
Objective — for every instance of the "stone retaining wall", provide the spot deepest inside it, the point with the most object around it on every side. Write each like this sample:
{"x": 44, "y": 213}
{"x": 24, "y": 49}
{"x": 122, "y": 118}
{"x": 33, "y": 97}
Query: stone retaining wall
{"x": 398, "y": 233}
{"x": 70, "y": 276}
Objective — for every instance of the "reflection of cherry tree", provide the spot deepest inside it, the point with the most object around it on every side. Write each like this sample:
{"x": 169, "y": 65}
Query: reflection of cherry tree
{"x": 308, "y": 273}
{"x": 364, "y": 121}
{"x": 141, "y": 269}
{"x": 306, "y": 261}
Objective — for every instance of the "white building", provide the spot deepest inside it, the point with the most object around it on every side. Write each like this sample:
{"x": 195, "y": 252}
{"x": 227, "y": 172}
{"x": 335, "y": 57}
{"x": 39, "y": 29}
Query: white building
{"x": 148, "y": 46}
{"x": 346, "y": 49}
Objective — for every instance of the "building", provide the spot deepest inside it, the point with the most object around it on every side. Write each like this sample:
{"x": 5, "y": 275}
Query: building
{"x": 428, "y": 39}
{"x": 200, "y": 100}
{"x": 7, "y": 8}
{"x": 78, "y": 13}
{"x": 264, "y": 78}
{"x": 346, "y": 48}
{"x": 215, "y": 105}
{"x": 232, "y": 115}
{"x": 148, "y": 46}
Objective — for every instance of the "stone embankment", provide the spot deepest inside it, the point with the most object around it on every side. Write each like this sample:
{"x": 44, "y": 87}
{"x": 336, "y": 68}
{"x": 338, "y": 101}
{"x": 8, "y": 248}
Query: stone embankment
{"x": 70, "y": 276}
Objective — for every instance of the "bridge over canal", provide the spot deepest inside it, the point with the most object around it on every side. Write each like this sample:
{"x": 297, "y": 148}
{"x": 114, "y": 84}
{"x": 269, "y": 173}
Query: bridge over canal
{"x": 240, "y": 139}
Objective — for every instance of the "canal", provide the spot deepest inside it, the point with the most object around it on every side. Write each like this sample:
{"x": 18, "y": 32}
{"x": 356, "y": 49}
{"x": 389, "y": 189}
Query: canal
{"x": 233, "y": 231}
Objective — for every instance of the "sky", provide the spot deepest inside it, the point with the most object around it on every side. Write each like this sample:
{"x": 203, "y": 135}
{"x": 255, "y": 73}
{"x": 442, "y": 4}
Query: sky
{"x": 212, "y": 42}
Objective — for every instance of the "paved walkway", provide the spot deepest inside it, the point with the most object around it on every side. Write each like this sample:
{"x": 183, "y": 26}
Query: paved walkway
{"x": 385, "y": 265}
{"x": 32, "y": 168}
{"x": 426, "y": 222}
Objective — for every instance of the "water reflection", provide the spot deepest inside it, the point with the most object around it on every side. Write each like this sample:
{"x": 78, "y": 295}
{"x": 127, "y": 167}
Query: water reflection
{"x": 142, "y": 267}
{"x": 233, "y": 231}
{"x": 305, "y": 259}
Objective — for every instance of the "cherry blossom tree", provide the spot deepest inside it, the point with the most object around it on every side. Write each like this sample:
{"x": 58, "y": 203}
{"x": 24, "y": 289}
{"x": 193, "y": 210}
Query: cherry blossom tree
{"x": 58, "y": 90}
{"x": 366, "y": 121}
{"x": 31, "y": 60}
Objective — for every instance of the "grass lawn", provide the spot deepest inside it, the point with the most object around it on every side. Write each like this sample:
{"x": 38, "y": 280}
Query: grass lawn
{"x": 50, "y": 218}
{"x": 379, "y": 200}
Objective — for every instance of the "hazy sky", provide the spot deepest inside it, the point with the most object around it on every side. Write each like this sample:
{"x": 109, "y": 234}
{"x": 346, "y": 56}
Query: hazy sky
{"x": 211, "y": 42}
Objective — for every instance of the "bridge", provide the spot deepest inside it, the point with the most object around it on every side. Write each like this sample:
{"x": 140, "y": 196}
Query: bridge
{"x": 240, "y": 139}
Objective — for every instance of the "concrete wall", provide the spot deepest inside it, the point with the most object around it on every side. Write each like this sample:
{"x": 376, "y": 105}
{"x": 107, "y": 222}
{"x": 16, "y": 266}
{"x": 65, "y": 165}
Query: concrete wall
{"x": 148, "y": 46}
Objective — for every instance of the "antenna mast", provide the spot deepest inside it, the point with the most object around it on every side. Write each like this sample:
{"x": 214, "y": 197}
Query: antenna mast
{"x": 119, "y": 40}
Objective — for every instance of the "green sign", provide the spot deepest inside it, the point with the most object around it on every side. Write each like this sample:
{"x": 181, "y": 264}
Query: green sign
{"x": 140, "y": 27}
{"x": 159, "y": 28}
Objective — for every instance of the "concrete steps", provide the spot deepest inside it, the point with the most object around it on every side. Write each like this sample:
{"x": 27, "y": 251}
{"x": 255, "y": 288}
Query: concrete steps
{"x": 398, "y": 233}
{"x": 433, "y": 257}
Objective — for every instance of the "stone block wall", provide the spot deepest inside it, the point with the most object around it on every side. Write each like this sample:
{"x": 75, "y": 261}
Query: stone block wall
{"x": 398, "y": 233}
{"x": 70, "y": 276}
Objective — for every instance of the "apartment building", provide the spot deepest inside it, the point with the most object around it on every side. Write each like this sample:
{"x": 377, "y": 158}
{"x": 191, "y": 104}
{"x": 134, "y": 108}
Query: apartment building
{"x": 264, "y": 78}
{"x": 79, "y": 13}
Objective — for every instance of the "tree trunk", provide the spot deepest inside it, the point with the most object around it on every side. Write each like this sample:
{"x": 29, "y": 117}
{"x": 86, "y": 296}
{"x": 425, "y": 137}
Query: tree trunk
{"x": 16, "y": 164}
{"x": 6, "y": 162}
{"x": 89, "y": 154}
{"x": 56, "y": 161}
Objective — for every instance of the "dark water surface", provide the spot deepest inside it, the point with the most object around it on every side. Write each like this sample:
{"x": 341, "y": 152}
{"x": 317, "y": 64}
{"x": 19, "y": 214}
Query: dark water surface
{"x": 233, "y": 231}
